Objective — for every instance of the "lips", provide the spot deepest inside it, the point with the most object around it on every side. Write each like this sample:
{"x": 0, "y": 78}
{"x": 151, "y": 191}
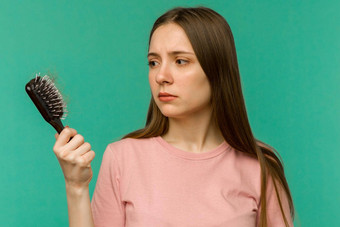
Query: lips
{"x": 166, "y": 97}
{"x": 165, "y": 94}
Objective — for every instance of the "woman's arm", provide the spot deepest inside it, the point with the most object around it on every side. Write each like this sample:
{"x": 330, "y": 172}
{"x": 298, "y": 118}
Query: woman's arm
{"x": 79, "y": 207}
{"x": 274, "y": 214}
{"x": 75, "y": 156}
{"x": 107, "y": 206}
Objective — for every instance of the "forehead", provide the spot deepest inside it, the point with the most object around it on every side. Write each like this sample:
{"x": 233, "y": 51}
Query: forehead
{"x": 169, "y": 37}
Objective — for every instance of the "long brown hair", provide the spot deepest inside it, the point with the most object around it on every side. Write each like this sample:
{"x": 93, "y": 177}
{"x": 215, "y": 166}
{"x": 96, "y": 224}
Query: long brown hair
{"x": 213, "y": 44}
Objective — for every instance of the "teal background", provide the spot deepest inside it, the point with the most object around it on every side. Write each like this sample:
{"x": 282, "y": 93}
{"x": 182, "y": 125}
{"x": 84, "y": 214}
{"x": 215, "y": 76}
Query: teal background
{"x": 289, "y": 59}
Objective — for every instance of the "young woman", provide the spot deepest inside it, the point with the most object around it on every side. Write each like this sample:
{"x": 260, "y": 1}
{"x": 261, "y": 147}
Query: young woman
{"x": 196, "y": 162}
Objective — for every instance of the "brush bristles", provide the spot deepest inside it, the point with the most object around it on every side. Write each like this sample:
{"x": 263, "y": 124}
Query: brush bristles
{"x": 46, "y": 89}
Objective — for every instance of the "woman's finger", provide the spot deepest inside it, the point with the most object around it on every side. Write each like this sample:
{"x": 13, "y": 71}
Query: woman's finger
{"x": 85, "y": 147}
{"x": 88, "y": 157}
{"x": 74, "y": 143}
{"x": 65, "y": 136}
{"x": 74, "y": 155}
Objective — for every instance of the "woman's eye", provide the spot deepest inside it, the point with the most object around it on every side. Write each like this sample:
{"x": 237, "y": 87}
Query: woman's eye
{"x": 152, "y": 63}
{"x": 181, "y": 61}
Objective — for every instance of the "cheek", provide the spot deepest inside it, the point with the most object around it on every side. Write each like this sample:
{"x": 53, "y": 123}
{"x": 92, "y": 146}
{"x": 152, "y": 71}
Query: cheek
{"x": 203, "y": 91}
{"x": 198, "y": 86}
{"x": 152, "y": 83}
{"x": 150, "y": 79}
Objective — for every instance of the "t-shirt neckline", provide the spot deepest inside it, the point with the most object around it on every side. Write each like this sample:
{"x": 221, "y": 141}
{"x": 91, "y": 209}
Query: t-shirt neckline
{"x": 224, "y": 146}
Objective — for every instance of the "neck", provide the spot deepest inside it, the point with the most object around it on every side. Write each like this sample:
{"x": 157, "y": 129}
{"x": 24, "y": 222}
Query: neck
{"x": 197, "y": 133}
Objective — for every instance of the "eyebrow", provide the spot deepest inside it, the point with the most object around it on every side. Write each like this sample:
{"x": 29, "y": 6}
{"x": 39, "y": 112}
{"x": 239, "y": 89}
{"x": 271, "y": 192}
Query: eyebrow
{"x": 170, "y": 53}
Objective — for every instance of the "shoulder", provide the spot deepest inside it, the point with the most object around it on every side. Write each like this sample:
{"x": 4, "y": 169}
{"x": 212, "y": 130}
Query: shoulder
{"x": 130, "y": 143}
{"x": 246, "y": 171}
{"x": 246, "y": 163}
{"x": 130, "y": 147}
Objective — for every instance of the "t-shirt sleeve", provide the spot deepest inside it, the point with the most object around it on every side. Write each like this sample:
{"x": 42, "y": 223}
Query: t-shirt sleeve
{"x": 274, "y": 214}
{"x": 107, "y": 206}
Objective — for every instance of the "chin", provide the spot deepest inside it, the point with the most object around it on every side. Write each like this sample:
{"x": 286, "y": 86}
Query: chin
{"x": 172, "y": 114}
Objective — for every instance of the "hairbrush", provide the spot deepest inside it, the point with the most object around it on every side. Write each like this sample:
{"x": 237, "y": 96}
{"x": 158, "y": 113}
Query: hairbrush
{"x": 48, "y": 100}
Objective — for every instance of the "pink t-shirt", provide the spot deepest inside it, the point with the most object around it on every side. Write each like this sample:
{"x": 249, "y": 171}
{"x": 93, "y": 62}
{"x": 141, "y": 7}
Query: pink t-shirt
{"x": 150, "y": 183}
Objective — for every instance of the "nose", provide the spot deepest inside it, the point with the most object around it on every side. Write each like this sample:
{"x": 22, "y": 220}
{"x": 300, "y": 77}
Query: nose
{"x": 164, "y": 75}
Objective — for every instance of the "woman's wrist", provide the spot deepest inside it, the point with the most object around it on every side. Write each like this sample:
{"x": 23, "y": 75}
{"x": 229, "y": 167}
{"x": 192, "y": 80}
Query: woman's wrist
{"x": 75, "y": 190}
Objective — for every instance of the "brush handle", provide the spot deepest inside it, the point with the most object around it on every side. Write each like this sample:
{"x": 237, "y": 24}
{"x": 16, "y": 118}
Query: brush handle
{"x": 57, "y": 124}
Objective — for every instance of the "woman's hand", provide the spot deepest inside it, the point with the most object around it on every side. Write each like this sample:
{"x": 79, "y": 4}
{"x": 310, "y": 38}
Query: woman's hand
{"x": 74, "y": 157}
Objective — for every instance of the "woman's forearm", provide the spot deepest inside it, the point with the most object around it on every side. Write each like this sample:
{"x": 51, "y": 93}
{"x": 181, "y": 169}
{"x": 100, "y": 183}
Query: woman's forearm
{"x": 79, "y": 207}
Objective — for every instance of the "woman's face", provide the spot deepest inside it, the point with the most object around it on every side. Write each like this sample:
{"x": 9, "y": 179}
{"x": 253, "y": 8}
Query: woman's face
{"x": 179, "y": 85}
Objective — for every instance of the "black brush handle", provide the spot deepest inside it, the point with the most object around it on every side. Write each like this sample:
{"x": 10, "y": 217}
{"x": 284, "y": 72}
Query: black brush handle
{"x": 57, "y": 124}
